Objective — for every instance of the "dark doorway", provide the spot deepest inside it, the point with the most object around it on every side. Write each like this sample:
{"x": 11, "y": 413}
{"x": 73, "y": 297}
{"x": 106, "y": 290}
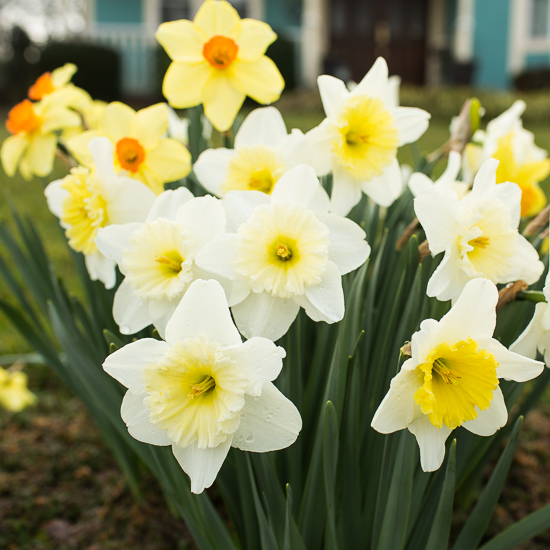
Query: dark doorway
{"x": 362, "y": 30}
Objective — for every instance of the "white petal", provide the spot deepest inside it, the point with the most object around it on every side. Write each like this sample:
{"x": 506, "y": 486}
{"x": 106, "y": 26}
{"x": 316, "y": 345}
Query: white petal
{"x": 130, "y": 201}
{"x": 168, "y": 203}
{"x": 55, "y": 195}
{"x": 346, "y": 192}
{"x": 511, "y": 366}
{"x": 268, "y": 422}
{"x": 315, "y": 149}
{"x": 114, "y": 239}
{"x": 205, "y": 217}
{"x": 527, "y": 265}
{"x": 375, "y": 82}
{"x": 136, "y": 416}
{"x": 431, "y": 441}
{"x": 454, "y": 163}
{"x": 397, "y": 409}
{"x": 211, "y": 169}
{"x": 530, "y": 338}
{"x": 410, "y": 122}
{"x": 490, "y": 420}
{"x": 160, "y": 312}
{"x": 101, "y": 269}
{"x": 348, "y": 248}
{"x": 301, "y": 186}
{"x": 447, "y": 282}
{"x": 263, "y": 126}
{"x": 127, "y": 364}
{"x": 473, "y": 315}
{"x": 333, "y": 94}
{"x": 484, "y": 180}
{"x": 239, "y": 206}
{"x": 384, "y": 189}
{"x": 130, "y": 312}
{"x": 325, "y": 301}
{"x": 218, "y": 255}
{"x": 419, "y": 183}
{"x": 261, "y": 314}
{"x": 201, "y": 465}
{"x": 203, "y": 310}
{"x": 260, "y": 359}
{"x": 101, "y": 149}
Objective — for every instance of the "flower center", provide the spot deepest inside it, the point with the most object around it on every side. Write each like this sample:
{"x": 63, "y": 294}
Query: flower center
{"x": 220, "y": 51}
{"x": 202, "y": 387}
{"x": 283, "y": 252}
{"x": 130, "y": 154}
{"x": 43, "y": 86}
{"x": 172, "y": 261}
{"x": 458, "y": 381}
{"x": 366, "y": 138}
{"x": 22, "y": 118}
{"x": 254, "y": 168}
{"x": 84, "y": 211}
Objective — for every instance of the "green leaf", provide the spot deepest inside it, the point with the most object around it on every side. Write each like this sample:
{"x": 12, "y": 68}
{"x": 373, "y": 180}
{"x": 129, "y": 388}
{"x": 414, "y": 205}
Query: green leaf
{"x": 330, "y": 462}
{"x": 439, "y": 535}
{"x": 477, "y": 522}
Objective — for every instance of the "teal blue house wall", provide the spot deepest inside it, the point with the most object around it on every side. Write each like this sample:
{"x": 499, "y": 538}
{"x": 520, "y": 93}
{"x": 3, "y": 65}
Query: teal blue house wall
{"x": 120, "y": 11}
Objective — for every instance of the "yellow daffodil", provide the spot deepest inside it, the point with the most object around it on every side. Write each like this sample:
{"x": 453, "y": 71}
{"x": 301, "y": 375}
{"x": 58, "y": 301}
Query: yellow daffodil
{"x": 140, "y": 148}
{"x": 218, "y": 59}
{"x": 452, "y": 377}
{"x": 33, "y": 142}
{"x": 50, "y": 82}
{"x": 14, "y": 394}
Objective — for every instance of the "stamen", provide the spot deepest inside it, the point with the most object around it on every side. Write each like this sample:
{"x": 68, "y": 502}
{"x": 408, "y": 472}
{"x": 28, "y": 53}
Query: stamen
{"x": 202, "y": 387}
{"x": 173, "y": 263}
{"x": 480, "y": 242}
{"x": 448, "y": 375}
{"x": 283, "y": 252}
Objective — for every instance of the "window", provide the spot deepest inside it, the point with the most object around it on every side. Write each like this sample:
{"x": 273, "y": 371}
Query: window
{"x": 172, "y": 10}
{"x": 539, "y": 18}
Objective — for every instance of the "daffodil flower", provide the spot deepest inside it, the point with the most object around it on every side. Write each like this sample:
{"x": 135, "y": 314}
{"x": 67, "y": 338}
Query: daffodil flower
{"x": 478, "y": 234}
{"x": 50, "y": 82}
{"x": 14, "y": 394}
{"x": 452, "y": 377}
{"x": 32, "y": 145}
{"x": 536, "y": 336}
{"x": 218, "y": 59}
{"x": 202, "y": 390}
{"x": 86, "y": 200}
{"x": 157, "y": 256}
{"x": 141, "y": 149}
{"x": 358, "y": 140}
{"x": 521, "y": 161}
{"x": 286, "y": 251}
{"x": 263, "y": 152}
{"x": 419, "y": 183}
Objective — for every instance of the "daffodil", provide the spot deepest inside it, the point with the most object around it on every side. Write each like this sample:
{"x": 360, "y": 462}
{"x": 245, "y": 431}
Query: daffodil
{"x": 452, "y": 377}
{"x": 536, "y": 336}
{"x": 478, "y": 234}
{"x": 87, "y": 200}
{"x": 14, "y": 394}
{"x": 50, "y": 82}
{"x": 202, "y": 390}
{"x": 31, "y": 147}
{"x": 157, "y": 256}
{"x": 218, "y": 59}
{"x": 419, "y": 183}
{"x": 358, "y": 140}
{"x": 287, "y": 251}
{"x": 521, "y": 161}
{"x": 262, "y": 154}
{"x": 140, "y": 148}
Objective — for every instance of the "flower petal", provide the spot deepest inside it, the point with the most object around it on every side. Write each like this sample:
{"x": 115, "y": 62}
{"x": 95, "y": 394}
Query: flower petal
{"x": 254, "y": 38}
{"x": 264, "y": 126}
{"x": 411, "y": 123}
{"x": 387, "y": 187}
{"x": 128, "y": 363}
{"x": 268, "y": 423}
{"x": 222, "y": 99}
{"x": 116, "y": 121}
{"x": 528, "y": 341}
{"x": 114, "y": 239}
{"x": 11, "y": 153}
{"x": 136, "y": 416}
{"x": 203, "y": 310}
{"x": 55, "y": 195}
{"x": 184, "y": 83}
{"x": 205, "y": 217}
{"x": 149, "y": 125}
{"x": 130, "y": 312}
{"x": 101, "y": 269}
{"x": 181, "y": 40}
{"x": 346, "y": 192}
{"x": 301, "y": 186}
{"x": 431, "y": 441}
{"x": 168, "y": 203}
{"x": 375, "y": 82}
{"x": 260, "y": 79}
{"x": 333, "y": 94}
{"x": 217, "y": 18}
{"x": 201, "y": 465}
{"x": 490, "y": 420}
{"x": 170, "y": 160}
{"x": 40, "y": 154}
{"x": 211, "y": 169}
{"x": 261, "y": 314}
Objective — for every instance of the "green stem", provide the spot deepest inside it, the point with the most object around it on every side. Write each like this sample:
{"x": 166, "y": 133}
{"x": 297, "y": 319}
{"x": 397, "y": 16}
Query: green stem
{"x": 531, "y": 295}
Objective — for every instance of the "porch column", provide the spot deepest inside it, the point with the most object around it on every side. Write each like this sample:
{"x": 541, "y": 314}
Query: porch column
{"x": 463, "y": 43}
{"x": 314, "y": 40}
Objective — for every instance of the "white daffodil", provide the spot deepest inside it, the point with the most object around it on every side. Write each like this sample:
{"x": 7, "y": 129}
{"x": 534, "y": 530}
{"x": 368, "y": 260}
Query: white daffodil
{"x": 521, "y": 161}
{"x": 452, "y": 376}
{"x": 358, "y": 140}
{"x": 262, "y": 154}
{"x": 479, "y": 235}
{"x": 536, "y": 336}
{"x": 202, "y": 390}
{"x": 287, "y": 252}
{"x": 157, "y": 256}
{"x": 419, "y": 182}
{"x": 87, "y": 200}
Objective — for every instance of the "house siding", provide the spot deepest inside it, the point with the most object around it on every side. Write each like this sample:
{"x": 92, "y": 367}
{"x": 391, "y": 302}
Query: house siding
{"x": 491, "y": 34}
{"x": 121, "y": 11}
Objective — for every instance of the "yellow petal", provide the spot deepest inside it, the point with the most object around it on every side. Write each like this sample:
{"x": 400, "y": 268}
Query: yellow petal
{"x": 150, "y": 124}
{"x": 222, "y": 100}
{"x": 151, "y": 179}
{"x": 63, "y": 75}
{"x": 78, "y": 146}
{"x": 184, "y": 84}
{"x": 217, "y": 18}
{"x": 534, "y": 172}
{"x": 11, "y": 153}
{"x": 58, "y": 118}
{"x": 116, "y": 122}
{"x": 41, "y": 153}
{"x": 171, "y": 160}
{"x": 254, "y": 38}
{"x": 182, "y": 40}
{"x": 260, "y": 79}
{"x": 533, "y": 200}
